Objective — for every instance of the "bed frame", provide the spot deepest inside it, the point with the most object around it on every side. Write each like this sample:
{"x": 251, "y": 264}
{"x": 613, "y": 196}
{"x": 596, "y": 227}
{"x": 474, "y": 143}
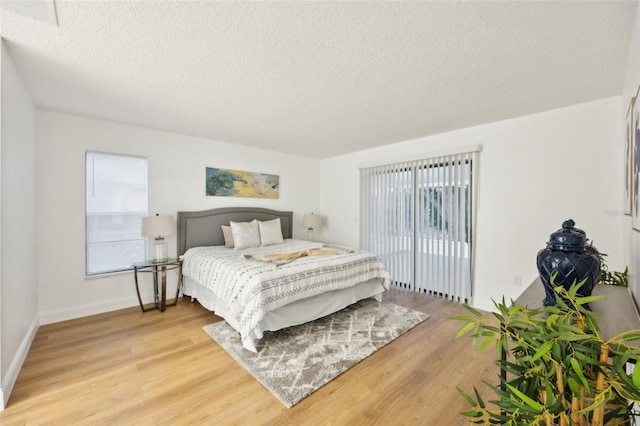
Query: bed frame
{"x": 196, "y": 229}
{"x": 202, "y": 228}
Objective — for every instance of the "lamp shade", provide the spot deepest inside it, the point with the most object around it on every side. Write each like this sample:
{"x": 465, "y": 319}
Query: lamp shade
{"x": 312, "y": 221}
{"x": 157, "y": 226}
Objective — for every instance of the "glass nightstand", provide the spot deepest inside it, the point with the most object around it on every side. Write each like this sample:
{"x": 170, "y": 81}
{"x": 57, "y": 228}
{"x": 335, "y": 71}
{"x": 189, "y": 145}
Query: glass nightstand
{"x": 159, "y": 271}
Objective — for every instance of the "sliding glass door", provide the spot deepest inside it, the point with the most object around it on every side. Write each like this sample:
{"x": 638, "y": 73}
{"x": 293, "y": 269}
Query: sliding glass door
{"x": 417, "y": 217}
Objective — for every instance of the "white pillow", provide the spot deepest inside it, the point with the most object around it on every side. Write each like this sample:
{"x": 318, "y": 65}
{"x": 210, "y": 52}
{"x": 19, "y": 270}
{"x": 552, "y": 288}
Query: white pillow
{"x": 245, "y": 234}
{"x": 270, "y": 232}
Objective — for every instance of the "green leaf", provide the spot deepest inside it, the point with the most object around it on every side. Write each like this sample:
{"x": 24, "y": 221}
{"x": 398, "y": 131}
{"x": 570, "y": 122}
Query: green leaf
{"x": 553, "y": 309}
{"x": 635, "y": 377}
{"x": 463, "y": 318}
{"x": 588, "y": 299}
{"x": 499, "y": 317}
{"x": 470, "y": 400}
{"x": 530, "y": 402}
{"x": 465, "y": 330}
{"x": 629, "y": 335}
{"x": 577, "y": 368}
{"x": 551, "y": 320}
{"x": 573, "y": 385}
{"x": 486, "y": 343}
{"x": 586, "y": 359}
{"x": 475, "y": 312}
{"x": 471, "y": 413}
{"x": 557, "y": 351}
{"x": 479, "y": 398}
{"x": 542, "y": 350}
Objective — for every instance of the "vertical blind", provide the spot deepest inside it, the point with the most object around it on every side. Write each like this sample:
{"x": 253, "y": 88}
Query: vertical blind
{"x": 116, "y": 202}
{"x": 418, "y": 217}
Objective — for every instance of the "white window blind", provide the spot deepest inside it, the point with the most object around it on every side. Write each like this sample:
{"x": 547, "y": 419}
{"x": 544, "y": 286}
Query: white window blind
{"x": 116, "y": 202}
{"x": 417, "y": 216}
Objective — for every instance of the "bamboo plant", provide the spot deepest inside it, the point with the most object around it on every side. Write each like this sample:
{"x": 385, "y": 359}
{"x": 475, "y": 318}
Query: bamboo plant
{"x": 612, "y": 277}
{"x": 560, "y": 371}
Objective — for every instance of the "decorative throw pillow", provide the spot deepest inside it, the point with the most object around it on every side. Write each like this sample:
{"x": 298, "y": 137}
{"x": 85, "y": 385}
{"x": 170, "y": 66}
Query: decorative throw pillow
{"x": 245, "y": 234}
{"x": 270, "y": 232}
{"x": 228, "y": 236}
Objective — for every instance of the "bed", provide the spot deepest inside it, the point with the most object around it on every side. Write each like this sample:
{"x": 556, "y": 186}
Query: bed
{"x": 258, "y": 289}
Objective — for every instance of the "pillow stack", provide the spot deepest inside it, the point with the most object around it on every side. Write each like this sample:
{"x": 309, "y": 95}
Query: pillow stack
{"x": 241, "y": 235}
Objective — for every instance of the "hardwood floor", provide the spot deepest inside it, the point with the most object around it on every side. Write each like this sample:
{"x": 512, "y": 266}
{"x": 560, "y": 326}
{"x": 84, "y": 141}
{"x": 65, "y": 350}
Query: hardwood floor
{"x": 126, "y": 367}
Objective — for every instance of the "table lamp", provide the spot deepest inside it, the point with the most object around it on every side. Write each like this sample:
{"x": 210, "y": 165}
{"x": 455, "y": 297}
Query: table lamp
{"x": 158, "y": 227}
{"x": 312, "y": 222}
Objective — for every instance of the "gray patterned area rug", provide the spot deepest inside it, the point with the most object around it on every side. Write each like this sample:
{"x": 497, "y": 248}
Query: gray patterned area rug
{"x": 295, "y": 362}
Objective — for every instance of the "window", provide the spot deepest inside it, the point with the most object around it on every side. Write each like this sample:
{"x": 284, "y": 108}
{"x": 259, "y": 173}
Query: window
{"x": 417, "y": 217}
{"x": 116, "y": 202}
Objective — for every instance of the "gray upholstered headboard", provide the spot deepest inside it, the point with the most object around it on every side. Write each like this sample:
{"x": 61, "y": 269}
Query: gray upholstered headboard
{"x": 203, "y": 228}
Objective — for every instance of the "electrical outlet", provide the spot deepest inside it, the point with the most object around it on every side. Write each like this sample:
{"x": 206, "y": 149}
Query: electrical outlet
{"x": 518, "y": 280}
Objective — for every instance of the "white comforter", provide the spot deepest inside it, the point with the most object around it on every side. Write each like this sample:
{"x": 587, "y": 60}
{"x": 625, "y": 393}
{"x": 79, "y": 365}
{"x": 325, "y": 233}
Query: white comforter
{"x": 252, "y": 288}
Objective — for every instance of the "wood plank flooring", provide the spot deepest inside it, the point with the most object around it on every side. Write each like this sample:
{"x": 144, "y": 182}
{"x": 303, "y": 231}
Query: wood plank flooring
{"x": 130, "y": 368}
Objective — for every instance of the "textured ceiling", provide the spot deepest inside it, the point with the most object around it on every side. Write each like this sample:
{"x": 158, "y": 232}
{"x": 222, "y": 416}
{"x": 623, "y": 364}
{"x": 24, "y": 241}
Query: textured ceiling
{"x": 320, "y": 78}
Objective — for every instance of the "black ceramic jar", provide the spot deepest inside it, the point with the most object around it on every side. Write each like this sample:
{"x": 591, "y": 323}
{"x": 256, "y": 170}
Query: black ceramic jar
{"x": 569, "y": 255}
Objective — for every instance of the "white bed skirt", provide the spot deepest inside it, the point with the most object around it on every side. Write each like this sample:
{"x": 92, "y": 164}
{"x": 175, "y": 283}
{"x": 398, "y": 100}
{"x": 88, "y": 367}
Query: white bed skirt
{"x": 295, "y": 313}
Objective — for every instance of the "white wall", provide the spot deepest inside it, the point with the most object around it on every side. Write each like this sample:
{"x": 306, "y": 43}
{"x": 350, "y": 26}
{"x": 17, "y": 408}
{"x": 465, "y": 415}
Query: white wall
{"x": 631, "y": 83}
{"x": 534, "y": 172}
{"x": 18, "y": 285}
{"x": 176, "y": 182}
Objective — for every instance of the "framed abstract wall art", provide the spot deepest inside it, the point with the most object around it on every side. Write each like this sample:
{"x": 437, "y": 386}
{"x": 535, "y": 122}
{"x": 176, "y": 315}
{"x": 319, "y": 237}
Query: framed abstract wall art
{"x": 236, "y": 183}
{"x": 628, "y": 164}
{"x": 635, "y": 171}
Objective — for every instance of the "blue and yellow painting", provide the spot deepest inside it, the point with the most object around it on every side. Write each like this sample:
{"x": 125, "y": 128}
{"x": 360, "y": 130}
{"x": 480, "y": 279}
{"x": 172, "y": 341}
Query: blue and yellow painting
{"x": 236, "y": 183}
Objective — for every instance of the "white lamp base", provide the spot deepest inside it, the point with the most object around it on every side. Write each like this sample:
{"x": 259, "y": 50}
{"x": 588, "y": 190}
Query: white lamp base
{"x": 310, "y": 235}
{"x": 159, "y": 251}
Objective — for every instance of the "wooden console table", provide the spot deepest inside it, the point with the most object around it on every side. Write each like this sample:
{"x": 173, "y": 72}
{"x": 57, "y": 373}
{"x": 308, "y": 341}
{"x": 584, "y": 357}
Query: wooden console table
{"x": 617, "y": 310}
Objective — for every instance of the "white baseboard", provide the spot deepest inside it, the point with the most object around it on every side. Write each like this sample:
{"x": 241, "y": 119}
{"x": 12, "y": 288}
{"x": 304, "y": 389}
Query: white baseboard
{"x": 49, "y": 317}
{"x": 57, "y": 315}
{"x": 16, "y": 364}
